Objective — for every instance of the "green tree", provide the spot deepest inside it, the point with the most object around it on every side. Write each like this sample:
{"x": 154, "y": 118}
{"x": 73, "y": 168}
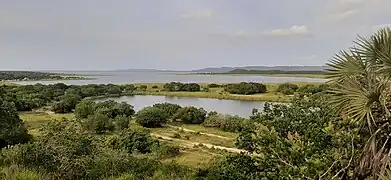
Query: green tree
{"x": 169, "y": 108}
{"x": 99, "y": 123}
{"x": 151, "y": 117}
{"x": 360, "y": 84}
{"x": 85, "y": 108}
{"x": 190, "y": 115}
{"x": 12, "y": 129}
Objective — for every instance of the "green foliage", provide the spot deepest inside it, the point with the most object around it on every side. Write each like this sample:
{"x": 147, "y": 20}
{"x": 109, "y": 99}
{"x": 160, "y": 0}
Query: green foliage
{"x": 302, "y": 140}
{"x": 14, "y": 172}
{"x": 245, "y": 88}
{"x": 121, "y": 122}
{"x": 131, "y": 141}
{"x": 151, "y": 117}
{"x": 12, "y": 129}
{"x": 143, "y": 87}
{"x": 287, "y": 88}
{"x": 169, "y": 108}
{"x": 190, "y": 115}
{"x": 166, "y": 150}
{"x": 225, "y": 122}
{"x": 99, "y": 123}
{"x": 312, "y": 89}
{"x": 177, "y": 86}
{"x": 213, "y": 85}
{"x": 154, "y": 87}
{"x": 236, "y": 167}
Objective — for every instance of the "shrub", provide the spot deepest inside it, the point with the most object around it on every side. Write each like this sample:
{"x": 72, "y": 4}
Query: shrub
{"x": 225, "y": 122}
{"x": 154, "y": 87}
{"x": 12, "y": 129}
{"x": 287, "y": 88}
{"x": 166, "y": 150}
{"x": 99, "y": 123}
{"x": 109, "y": 108}
{"x": 132, "y": 140}
{"x": 177, "y": 86}
{"x": 245, "y": 88}
{"x": 169, "y": 108}
{"x": 213, "y": 85}
{"x": 121, "y": 122}
{"x": 151, "y": 117}
{"x": 85, "y": 108}
{"x": 312, "y": 89}
{"x": 190, "y": 115}
{"x": 143, "y": 87}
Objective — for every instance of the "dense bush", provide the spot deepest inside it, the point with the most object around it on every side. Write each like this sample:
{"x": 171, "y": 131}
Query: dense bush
{"x": 287, "y": 88}
{"x": 109, "y": 108}
{"x": 151, "y": 117}
{"x": 236, "y": 167}
{"x": 225, "y": 122}
{"x": 131, "y": 141}
{"x": 121, "y": 122}
{"x": 169, "y": 108}
{"x": 245, "y": 88}
{"x": 99, "y": 123}
{"x": 307, "y": 136}
{"x": 12, "y": 129}
{"x": 312, "y": 89}
{"x": 190, "y": 115}
{"x": 177, "y": 86}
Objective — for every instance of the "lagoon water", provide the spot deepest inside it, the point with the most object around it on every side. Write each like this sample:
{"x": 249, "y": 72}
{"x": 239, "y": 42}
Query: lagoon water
{"x": 116, "y": 77}
{"x": 232, "y": 107}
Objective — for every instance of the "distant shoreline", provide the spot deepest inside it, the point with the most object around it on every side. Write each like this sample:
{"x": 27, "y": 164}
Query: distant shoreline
{"x": 315, "y": 76}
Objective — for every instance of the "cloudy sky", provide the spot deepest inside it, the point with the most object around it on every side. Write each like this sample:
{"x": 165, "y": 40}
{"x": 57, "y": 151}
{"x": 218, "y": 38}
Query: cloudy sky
{"x": 180, "y": 34}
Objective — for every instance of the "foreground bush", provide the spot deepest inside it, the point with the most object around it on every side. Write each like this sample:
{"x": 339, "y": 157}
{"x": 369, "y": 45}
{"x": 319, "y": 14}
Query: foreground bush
{"x": 151, "y": 117}
{"x": 190, "y": 115}
{"x": 245, "y": 88}
{"x": 12, "y": 128}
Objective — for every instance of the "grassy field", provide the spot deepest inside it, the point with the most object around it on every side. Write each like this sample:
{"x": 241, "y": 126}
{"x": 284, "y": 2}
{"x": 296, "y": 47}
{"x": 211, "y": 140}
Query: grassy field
{"x": 218, "y": 93}
{"x": 35, "y": 120}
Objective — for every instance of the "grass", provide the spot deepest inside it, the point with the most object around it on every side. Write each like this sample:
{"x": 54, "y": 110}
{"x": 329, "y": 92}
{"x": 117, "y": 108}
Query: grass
{"x": 193, "y": 137}
{"x": 200, "y": 128}
{"x": 35, "y": 120}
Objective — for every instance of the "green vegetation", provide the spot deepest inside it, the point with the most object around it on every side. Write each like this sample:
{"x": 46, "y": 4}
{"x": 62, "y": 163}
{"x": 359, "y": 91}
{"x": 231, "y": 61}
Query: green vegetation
{"x": 177, "y": 86}
{"x": 33, "y": 76}
{"x": 152, "y": 117}
{"x": 245, "y": 88}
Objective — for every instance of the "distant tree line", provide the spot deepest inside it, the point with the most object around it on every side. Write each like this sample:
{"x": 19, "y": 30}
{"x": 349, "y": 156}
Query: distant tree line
{"x": 30, "y": 75}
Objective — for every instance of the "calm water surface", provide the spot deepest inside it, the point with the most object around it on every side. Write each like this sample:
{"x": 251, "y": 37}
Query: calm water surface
{"x": 153, "y": 77}
{"x": 232, "y": 107}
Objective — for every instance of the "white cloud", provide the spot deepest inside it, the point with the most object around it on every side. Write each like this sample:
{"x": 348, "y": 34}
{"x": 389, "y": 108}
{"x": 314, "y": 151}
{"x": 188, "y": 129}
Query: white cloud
{"x": 297, "y": 30}
{"x": 197, "y": 15}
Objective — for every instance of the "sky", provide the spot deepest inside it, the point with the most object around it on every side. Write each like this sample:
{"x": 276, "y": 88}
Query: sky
{"x": 181, "y": 34}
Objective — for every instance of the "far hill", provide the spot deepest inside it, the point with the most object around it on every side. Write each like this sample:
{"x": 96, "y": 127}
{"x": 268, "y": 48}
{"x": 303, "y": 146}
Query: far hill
{"x": 262, "y": 68}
